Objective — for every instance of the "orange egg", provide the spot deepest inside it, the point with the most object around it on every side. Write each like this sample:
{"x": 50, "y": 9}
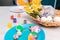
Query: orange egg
{"x": 30, "y": 37}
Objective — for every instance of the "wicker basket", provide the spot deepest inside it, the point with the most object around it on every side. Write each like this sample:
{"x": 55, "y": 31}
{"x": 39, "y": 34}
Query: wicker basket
{"x": 48, "y": 24}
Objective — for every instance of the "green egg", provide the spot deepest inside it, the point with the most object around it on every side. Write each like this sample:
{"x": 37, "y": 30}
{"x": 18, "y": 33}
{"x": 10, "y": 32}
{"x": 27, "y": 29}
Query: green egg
{"x": 34, "y": 33}
{"x": 20, "y": 27}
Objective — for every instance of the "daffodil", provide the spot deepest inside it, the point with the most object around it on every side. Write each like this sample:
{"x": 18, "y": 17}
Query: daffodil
{"x": 36, "y": 2}
{"x": 39, "y": 6}
{"x": 21, "y": 2}
{"x": 28, "y": 9}
{"x": 34, "y": 7}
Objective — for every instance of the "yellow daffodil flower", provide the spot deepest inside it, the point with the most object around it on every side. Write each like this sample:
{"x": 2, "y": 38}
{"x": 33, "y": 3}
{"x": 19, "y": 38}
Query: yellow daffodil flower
{"x": 28, "y": 9}
{"x": 22, "y": 3}
{"x": 36, "y": 2}
{"x": 34, "y": 7}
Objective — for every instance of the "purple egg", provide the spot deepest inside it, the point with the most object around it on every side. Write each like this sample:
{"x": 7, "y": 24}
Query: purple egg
{"x": 14, "y": 20}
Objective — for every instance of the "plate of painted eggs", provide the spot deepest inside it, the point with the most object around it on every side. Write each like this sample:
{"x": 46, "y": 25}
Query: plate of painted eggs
{"x": 25, "y": 32}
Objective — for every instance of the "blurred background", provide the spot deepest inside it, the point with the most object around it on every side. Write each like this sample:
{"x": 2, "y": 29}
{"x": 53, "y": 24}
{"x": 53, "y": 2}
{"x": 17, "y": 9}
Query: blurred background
{"x": 44, "y": 2}
{"x": 7, "y": 2}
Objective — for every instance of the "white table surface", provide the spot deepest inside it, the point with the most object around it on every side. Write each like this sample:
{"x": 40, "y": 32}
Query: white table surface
{"x": 50, "y": 33}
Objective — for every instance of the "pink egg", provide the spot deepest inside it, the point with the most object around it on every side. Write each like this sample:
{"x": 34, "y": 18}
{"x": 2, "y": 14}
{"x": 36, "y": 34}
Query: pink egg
{"x": 35, "y": 29}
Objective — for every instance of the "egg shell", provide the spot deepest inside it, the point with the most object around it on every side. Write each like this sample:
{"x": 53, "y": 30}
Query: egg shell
{"x": 31, "y": 37}
{"x": 49, "y": 18}
{"x": 14, "y": 20}
{"x": 19, "y": 33}
{"x": 15, "y": 36}
{"x": 43, "y": 19}
{"x": 12, "y": 17}
{"x": 57, "y": 19}
{"x": 25, "y": 21}
{"x": 9, "y": 25}
{"x": 19, "y": 15}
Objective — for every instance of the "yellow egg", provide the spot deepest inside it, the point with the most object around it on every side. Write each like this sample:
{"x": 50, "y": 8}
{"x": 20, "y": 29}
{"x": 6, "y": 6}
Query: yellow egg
{"x": 9, "y": 25}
